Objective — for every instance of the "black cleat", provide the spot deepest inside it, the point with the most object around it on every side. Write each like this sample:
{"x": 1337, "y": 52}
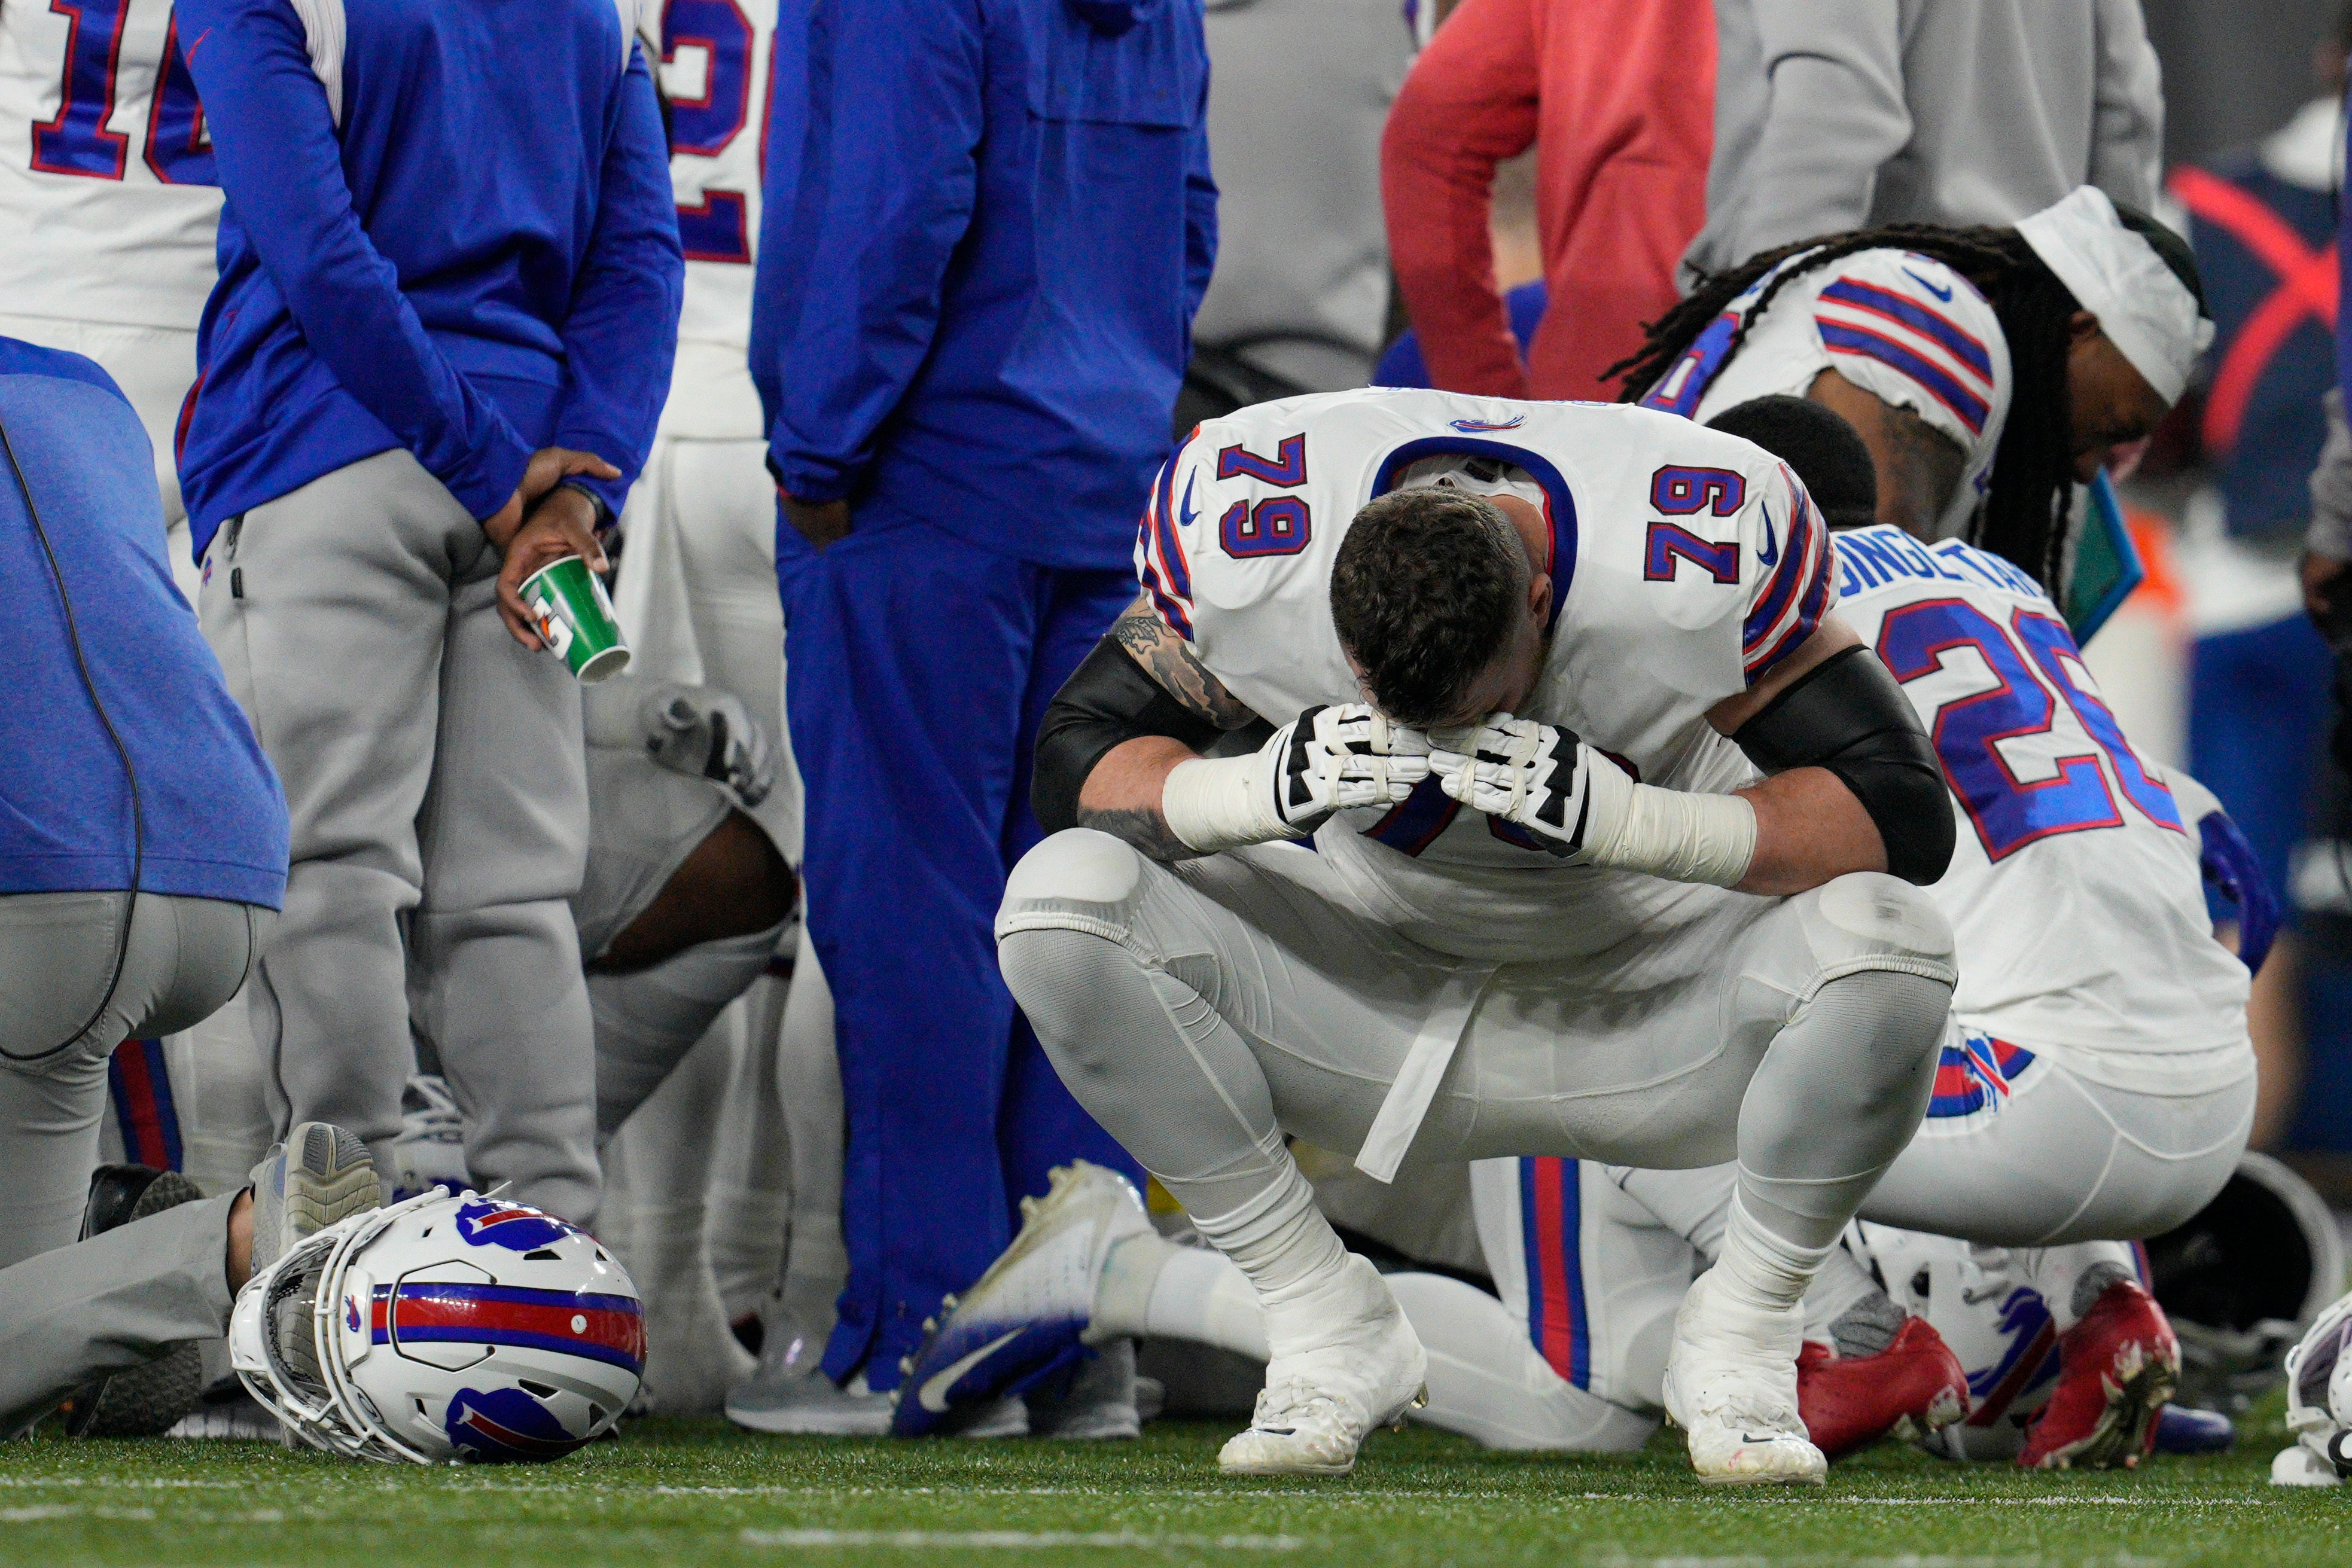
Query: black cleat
{"x": 141, "y": 1401}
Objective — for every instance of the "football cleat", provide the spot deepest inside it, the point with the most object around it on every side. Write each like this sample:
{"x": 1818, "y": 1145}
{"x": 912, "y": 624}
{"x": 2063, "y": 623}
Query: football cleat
{"x": 2118, "y": 1366}
{"x": 1026, "y": 1318}
{"x": 1915, "y": 1387}
{"x": 2299, "y": 1467}
{"x": 1319, "y": 1405}
{"x": 1731, "y": 1387}
{"x": 140, "y": 1401}
{"x": 430, "y": 1151}
{"x": 790, "y": 1394}
{"x": 2181, "y": 1430}
{"x": 319, "y": 1176}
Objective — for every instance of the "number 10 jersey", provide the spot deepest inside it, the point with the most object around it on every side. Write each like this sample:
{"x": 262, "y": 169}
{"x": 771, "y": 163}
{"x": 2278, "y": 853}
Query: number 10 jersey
{"x": 107, "y": 193}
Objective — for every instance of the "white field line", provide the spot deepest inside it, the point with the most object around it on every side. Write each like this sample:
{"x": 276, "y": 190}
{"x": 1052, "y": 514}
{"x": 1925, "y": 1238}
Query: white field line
{"x": 967, "y": 1539}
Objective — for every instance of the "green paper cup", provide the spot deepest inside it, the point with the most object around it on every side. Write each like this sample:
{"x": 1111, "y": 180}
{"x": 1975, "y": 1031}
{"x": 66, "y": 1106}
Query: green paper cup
{"x": 575, "y": 619}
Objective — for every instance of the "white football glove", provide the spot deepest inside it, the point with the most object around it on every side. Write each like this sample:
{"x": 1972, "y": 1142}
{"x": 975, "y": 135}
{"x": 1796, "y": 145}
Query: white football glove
{"x": 1543, "y": 778}
{"x": 705, "y": 733}
{"x": 1584, "y": 807}
{"x": 1327, "y": 759}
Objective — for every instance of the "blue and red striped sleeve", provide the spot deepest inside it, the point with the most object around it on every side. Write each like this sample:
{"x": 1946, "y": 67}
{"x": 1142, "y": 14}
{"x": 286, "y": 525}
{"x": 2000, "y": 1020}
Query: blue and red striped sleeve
{"x": 1789, "y": 599}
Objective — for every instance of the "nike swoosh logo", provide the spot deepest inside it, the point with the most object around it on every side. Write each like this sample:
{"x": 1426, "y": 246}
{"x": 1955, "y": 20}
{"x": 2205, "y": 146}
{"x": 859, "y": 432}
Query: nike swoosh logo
{"x": 1184, "y": 513}
{"x": 1771, "y": 554}
{"x": 933, "y": 1395}
{"x": 1942, "y": 292}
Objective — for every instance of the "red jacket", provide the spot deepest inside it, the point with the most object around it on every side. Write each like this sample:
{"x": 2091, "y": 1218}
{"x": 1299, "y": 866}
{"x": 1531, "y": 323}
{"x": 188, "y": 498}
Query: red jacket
{"x": 1618, "y": 96}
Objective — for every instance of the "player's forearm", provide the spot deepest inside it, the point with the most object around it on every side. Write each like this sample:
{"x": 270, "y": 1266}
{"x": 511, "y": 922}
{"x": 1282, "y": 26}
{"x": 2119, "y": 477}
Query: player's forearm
{"x": 621, "y": 335}
{"x": 1123, "y": 796}
{"x": 1809, "y": 829}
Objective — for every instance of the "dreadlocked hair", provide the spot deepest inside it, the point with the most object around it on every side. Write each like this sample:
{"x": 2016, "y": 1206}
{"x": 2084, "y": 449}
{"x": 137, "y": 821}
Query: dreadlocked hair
{"x": 2032, "y": 496}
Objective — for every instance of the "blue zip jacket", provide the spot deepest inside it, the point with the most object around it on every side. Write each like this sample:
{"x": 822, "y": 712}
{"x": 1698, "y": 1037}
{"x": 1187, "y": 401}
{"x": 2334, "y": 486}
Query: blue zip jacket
{"x": 211, "y": 818}
{"x": 988, "y": 224}
{"x": 448, "y": 229}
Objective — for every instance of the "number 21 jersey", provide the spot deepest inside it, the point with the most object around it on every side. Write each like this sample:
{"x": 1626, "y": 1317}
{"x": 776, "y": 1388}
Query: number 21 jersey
{"x": 107, "y": 193}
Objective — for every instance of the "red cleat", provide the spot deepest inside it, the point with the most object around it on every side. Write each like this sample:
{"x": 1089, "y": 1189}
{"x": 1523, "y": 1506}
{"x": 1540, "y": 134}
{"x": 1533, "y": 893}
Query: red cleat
{"x": 1911, "y": 1388}
{"x": 2117, "y": 1369}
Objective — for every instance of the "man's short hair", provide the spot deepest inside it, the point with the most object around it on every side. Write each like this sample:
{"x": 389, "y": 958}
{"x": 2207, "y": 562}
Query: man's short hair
{"x": 1826, "y": 453}
{"x": 1424, "y": 592}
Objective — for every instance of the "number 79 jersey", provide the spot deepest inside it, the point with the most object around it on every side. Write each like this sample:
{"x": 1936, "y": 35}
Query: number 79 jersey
{"x": 2074, "y": 890}
{"x": 1686, "y": 564}
{"x": 107, "y": 195}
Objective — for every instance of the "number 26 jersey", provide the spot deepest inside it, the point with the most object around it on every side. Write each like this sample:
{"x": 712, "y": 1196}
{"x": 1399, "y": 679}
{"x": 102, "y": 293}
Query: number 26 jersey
{"x": 2074, "y": 892}
{"x": 1686, "y": 565}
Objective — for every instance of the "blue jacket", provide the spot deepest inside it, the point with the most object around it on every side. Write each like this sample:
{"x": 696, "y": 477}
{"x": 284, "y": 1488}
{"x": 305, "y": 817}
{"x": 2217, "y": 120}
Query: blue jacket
{"x": 456, "y": 235}
{"x": 212, "y": 820}
{"x": 988, "y": 224}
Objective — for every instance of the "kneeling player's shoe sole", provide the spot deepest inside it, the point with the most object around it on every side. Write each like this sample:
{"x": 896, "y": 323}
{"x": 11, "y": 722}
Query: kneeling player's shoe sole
{"x": 1026, "y": 1318}
{"x": 320, "y": 1174}
{"x": 1915, "y": 1387}
{"x": 1731, "y": 1387}
{"x": 2117, "y": 1367}
{"x": 1366, "y": 1368}
{"x": 141, "y": 1401}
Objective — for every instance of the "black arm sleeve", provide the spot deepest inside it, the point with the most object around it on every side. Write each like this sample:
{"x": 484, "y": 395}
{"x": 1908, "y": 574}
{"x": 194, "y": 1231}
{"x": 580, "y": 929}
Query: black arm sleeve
{"x": 1108, "y": 699}
{"x": 1847, "y": 714}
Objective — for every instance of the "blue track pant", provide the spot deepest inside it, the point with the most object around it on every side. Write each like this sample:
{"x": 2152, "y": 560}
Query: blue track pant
{"x": 918, "y": 668}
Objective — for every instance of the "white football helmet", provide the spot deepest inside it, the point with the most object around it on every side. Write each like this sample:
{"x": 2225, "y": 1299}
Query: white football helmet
{"x": 2319, "y": 1402}
{"x": 442, "y": 1330}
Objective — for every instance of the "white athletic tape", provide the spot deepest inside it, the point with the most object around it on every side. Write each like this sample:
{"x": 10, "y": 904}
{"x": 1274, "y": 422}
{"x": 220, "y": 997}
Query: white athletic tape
{"x": 1223, "y": 803}
{"x": 1672, "y": 834}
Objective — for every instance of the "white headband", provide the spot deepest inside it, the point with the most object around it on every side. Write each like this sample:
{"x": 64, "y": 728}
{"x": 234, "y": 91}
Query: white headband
{"x": 2144, "y": 310}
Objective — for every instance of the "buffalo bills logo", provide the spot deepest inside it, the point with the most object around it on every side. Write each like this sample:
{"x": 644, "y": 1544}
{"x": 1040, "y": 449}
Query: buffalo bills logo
{"x": 352, "y": 1313}
{"x": 486, "y": 1222}
{"x": 1476, "y": 426}
{"x": 507, "y": 1426}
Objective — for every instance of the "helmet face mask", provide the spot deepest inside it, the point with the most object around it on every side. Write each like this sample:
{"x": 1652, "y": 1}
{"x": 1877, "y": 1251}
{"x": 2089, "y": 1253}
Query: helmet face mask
{"x": 443, "y": 1329}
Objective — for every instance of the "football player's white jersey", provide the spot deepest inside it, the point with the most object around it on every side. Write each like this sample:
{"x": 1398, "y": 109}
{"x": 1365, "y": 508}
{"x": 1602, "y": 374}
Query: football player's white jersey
{"x": 1685, "y": 564}
{"x": 107, "y": 191}
{"x": 2074, "y": 890}
{"x": 715, "y": 69}
{"x": 1906, "y": 329}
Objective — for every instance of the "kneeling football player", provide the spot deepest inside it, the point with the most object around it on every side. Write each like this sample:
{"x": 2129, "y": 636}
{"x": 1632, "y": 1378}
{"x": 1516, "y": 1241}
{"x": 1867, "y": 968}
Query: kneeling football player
{"x": 1520, "y": 655}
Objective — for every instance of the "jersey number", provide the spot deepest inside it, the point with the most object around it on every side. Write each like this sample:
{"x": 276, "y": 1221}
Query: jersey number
{"x": 75, "y": 141}
{"x": 2010, "y": 812}
{"x": 720, "y": 228}
{"x": 1278, "y": 524}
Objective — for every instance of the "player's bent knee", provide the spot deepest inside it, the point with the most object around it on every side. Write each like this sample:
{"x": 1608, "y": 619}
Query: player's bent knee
{"x": 1077, "y": 865}
{"x": 1867, "y": 920}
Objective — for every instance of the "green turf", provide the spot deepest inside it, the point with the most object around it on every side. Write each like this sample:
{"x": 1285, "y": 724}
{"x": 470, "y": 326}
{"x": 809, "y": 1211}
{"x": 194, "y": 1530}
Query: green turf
{"x": 694, "y": 1490}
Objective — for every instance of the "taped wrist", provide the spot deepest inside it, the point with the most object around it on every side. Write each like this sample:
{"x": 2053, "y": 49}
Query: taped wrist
{"x": 1223, "y": 803}
{"x": 1107, "y": 700}
{"x": 1671, "y": 833}
{"x": 1847, "y": 714}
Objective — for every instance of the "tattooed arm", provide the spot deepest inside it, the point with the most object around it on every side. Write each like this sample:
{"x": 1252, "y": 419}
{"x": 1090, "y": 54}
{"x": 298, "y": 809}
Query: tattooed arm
{"x": 1918, "y": 466}
{"x": 1120, "y": 794}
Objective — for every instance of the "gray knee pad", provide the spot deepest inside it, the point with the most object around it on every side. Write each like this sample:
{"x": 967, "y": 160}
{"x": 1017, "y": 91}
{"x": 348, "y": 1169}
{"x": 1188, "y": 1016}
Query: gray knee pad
{"x": 1078, "y": 880}
{"x": 1867, "y": 920}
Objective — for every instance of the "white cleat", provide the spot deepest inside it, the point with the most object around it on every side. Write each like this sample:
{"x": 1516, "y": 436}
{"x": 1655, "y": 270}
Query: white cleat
{"x": 1731, "y": 1387}
{"x": 1367, "y": 1369}
{"x": 1030, "y": 1314}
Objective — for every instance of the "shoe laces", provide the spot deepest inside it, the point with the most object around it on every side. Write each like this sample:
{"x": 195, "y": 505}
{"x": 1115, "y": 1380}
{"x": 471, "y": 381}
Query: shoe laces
{"x": 1294, "y": 1401}
{"x": 429, "y": 1114}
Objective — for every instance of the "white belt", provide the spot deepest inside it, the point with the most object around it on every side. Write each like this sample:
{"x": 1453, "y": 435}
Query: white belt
{"x": 1407, "y": 1104}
